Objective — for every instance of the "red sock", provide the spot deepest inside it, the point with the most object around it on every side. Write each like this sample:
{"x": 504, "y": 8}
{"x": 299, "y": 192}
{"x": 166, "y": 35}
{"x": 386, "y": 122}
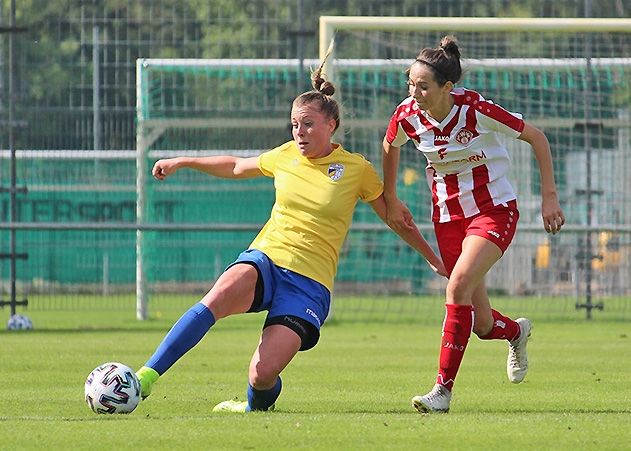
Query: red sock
{"x": 504, "y": 328}
{"x": 456, "y": 332}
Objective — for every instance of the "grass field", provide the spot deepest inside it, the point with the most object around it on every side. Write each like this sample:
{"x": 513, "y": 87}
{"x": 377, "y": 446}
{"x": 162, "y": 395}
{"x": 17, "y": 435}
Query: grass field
{"x": 352, "y": 392}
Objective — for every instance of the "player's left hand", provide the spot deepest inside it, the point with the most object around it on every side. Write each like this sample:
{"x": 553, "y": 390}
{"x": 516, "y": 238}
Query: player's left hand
{"x": 439, "y": 269}
{"x": 553, "y": 218}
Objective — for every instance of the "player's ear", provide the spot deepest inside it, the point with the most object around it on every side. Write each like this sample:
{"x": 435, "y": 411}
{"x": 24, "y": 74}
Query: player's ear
{"x": 448, "y": 86}
{"x": 332, "y": 125}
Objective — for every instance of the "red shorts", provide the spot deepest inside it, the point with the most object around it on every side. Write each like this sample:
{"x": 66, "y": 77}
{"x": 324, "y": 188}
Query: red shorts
{"x": 497, "y": 225}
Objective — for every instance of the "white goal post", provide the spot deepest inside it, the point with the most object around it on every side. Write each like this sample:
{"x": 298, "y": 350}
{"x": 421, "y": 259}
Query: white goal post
{"x": 329, "y": 25}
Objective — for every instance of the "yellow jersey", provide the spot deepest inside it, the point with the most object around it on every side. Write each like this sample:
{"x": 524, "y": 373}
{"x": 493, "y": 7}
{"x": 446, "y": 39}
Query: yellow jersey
{"x": 313, "y": 210}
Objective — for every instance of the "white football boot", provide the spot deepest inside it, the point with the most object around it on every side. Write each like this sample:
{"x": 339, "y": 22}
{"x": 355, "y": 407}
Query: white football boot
{"x": 517, "y": 363}
{"x": 436, "y": 401}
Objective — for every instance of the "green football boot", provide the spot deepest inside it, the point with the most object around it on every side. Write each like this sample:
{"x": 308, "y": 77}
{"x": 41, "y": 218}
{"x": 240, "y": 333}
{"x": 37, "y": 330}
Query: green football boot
{"x": 235, "y": 406}
{"x": 147, "y": 377}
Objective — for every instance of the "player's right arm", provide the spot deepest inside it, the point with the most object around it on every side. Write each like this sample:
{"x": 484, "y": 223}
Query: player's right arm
{"x": 399, "y": 216}
{"x": 413, "y": 237}
{"x": 220, "y": 166}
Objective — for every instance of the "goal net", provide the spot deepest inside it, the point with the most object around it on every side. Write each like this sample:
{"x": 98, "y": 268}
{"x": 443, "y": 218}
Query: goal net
{"x": 572, "y": 78}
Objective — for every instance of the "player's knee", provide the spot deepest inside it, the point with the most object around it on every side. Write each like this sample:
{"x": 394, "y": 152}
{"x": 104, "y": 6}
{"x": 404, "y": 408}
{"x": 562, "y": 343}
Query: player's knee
{"x": 223, "y": 302}
{"x": 458, "y": 289}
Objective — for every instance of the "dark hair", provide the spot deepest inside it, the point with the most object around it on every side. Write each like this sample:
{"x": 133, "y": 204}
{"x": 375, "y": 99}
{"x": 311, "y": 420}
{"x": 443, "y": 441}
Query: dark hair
{"x": 444, "y": 60}
{"x": 321, "y": 94}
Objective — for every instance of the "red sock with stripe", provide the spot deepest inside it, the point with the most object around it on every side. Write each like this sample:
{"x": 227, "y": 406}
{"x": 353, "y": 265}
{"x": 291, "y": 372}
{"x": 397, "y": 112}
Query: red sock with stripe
{"x": 456, "y": 332}
{"x": 504, "y": 328}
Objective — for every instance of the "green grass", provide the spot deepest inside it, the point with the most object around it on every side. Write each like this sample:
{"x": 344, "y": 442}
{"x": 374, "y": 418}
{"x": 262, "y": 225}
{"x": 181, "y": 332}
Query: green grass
{"x": 51, "y": 310}
{"x": 351, "y": 392}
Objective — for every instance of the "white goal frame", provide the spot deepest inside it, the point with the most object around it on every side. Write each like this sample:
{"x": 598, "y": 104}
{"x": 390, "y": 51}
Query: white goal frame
{"x": 149, "y": 130}
{"x": 330, "y": 24}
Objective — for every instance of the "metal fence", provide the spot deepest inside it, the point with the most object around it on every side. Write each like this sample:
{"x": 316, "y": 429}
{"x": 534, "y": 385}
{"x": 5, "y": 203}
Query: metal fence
{"x": 68, "y": 138}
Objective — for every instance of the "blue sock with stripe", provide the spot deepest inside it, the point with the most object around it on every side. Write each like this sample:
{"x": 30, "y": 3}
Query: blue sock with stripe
{"x": 263, "y": 399}
{"x": 184, "y": 334}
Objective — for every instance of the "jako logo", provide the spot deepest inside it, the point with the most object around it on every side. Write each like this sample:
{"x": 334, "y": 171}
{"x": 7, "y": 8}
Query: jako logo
{"x": 455, "y": 346}
{"x": 494, "y": 233}
{"x": 441, "y": 139}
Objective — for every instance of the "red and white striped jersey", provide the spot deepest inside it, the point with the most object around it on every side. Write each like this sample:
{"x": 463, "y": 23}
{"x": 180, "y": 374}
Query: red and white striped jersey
{"x": 467, "y": 164}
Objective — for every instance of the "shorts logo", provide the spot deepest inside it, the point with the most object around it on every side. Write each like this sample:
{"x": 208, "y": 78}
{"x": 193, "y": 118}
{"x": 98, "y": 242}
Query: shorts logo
{"x": 312, "y": 313}
{"x": 441, "y": 153}
{"x": 336, "y": 170}
{"x": 295, "y": 323}
{"x": 494, "y": 233}
{"x": 464, "y": 136}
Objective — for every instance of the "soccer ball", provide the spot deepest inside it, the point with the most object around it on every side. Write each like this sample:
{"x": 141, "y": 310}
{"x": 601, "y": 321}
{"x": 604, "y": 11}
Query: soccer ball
{"x": 112, "y": 388}
{"x": 19, "y": 322}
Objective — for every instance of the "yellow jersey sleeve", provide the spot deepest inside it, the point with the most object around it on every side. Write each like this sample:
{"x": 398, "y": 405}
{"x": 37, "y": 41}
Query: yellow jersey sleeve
{"x": 372, "y": 186}
{"x": 267, "y": 160}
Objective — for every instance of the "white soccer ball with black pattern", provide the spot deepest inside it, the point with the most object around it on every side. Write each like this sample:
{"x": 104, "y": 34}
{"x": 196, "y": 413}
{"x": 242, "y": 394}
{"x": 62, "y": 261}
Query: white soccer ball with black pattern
{"x": 19, "y": 322}
{"x": 112, "y": 388}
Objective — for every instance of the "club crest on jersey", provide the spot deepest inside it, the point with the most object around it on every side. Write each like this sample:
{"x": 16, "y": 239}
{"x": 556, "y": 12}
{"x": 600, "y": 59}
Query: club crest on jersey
{"x": 336, "y": 170}
{"x": 464, "y": 136}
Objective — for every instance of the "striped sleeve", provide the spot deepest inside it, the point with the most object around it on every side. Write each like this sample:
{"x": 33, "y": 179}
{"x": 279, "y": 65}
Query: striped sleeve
{"x": 400, "y": 130}
{"x": 496, "y": 118}
{"x": 395, "y": 134}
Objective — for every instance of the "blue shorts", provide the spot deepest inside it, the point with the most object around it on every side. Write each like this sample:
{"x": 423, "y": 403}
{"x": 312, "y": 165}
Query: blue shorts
{"x": 291, "y": 299}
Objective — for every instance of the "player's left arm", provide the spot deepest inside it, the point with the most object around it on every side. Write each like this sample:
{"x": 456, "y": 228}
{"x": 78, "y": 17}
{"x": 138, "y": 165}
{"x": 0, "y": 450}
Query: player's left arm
{"x": 411, "y": 236}
{"x": 551, "y": 211}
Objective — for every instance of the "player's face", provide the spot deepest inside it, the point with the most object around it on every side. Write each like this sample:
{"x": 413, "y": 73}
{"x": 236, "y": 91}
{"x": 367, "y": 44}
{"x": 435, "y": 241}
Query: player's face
{"x": 429, "y": 95}
{"x": 311, "y": 130}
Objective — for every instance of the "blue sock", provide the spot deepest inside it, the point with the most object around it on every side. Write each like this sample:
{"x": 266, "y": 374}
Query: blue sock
{"x": 263, "y": 399}
{"x": 184, "y": 334}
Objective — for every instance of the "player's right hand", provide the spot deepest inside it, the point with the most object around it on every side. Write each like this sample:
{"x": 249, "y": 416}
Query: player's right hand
{"x": 399, "y": 216}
